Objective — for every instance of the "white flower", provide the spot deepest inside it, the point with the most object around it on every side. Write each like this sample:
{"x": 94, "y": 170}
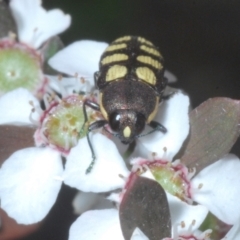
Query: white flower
{"x": 35, "y": 25}
{"x": 31, "y": 178}
{"x": 217, "y": 187}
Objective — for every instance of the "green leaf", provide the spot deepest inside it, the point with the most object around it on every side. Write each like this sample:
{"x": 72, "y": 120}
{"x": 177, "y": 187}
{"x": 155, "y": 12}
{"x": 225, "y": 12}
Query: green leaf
{"x": 144, "y": 205}
{"x": 13, "y": 138}
{"x": 7, "y": 23}
{"x": 215, "y": 127}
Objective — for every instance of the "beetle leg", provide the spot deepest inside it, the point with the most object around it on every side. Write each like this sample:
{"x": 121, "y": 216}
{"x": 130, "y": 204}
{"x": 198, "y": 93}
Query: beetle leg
{"x": 92, "y": 105}
{"x": 157, "y": 126}
{"x": 93, "y": 126}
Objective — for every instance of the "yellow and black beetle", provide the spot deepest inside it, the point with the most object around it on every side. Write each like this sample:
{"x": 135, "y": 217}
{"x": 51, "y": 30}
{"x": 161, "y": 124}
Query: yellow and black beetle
{"x": 131, "y": 83}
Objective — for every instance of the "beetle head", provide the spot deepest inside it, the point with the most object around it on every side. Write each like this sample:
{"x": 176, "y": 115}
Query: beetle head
{"x": 127, "y": 124}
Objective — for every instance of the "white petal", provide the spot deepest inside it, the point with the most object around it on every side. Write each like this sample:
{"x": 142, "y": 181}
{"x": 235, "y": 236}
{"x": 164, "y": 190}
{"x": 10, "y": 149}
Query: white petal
{"x": 28, "y": 186}
{"x": 183, "y": 212}
{"x": 172, "y": 114}
{"x": 96, "y": 225}
{"x": 106, "y": 170}
{"x": 81, "y": 58}
{"x": 220, "y": 191}
{"x": 36, "y": 25}
{"x": 234, "y": 233}
{"x": 83, "y": 202}
{"x": 15, "y": 106}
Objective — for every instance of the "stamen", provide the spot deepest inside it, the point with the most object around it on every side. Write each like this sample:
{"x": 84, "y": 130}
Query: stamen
{"x": 154, "y": 154}
{"x": 182, "y": 224}
{"x": 206, "y": 234}
{"x": 75, "y": 75}
{"x": 191, "y": 173}
{"x": 187, "y": 199}
{"x": 31, "y": 103}
{"x": 12, "y": 35}
{"x": 82, "y": 80}
{"x": 176, "y": 174}
{"x": 123, "y": 177}
{"x": 60, "y": 77}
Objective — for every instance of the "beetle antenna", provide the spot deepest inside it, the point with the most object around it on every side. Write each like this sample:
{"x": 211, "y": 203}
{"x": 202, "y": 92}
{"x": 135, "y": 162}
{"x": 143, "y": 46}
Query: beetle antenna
{"x": 143, "y": 135}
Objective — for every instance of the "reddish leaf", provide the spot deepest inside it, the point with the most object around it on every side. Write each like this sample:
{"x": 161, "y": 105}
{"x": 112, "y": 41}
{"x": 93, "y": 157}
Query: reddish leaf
{"x": 145, "y": 206}
{"x": 13, "y": 138}
{"x": 215, "y": 127}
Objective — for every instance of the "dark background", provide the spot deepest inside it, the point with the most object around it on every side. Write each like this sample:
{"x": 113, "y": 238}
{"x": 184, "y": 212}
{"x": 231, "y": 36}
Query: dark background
{"x": 200, "y": 41}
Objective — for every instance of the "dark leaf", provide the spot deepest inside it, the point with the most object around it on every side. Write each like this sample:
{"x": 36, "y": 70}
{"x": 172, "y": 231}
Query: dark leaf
{"x": 145, "y": 206}
{"x": 215, "y": 127}
{"x": 7, "y": 24}
{"x": 51, "y": 47}
{"x": 13, "y": 138}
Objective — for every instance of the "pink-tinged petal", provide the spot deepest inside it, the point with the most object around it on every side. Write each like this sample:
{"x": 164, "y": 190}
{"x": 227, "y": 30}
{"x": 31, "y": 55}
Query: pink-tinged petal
{"x": 217, "y": 187}
{"x": 79, "y": 58}
{"x": 38, "y": 25}
{"x": 106, "y": 170}
{"x": 95, "y": 225}
{"x": 83, "y": 202}
{"x": 16, "y": 108}
{"x": 30, "y": 183}
{"x": 234, "y": 232}
{"x": 183, "y": 212}
{"x": 173, "y": 115}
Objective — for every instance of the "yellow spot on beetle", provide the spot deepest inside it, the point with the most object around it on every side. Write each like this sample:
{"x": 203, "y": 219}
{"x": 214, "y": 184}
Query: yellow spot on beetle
{"x": 146, "y": 75}
{"x": 154, "y": 112}
{"x": 115, "y": 47}
{"x": 127, "y": 132}
{"x": 115, "y": 72}
{"x": 123, "y": 39}
{"x": 143, "y": 40}
{"x": 148, "y": 60}
{"x": 114, "y": 58}
{"x": 150, "y": 50}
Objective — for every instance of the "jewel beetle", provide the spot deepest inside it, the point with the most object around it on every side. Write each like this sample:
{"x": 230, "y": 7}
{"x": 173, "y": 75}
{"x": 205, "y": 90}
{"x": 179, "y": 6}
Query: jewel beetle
{"x": 131, "y": 84}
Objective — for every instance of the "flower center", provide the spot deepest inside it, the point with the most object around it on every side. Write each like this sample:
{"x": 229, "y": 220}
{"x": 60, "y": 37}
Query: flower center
{"x": 19, "y": 67}
{"x": 62, "y": 124}
{"x": 172, "y": 176}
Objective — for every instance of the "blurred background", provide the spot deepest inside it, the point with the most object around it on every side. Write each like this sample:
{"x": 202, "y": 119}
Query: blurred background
{"x": 200, "y": 41}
